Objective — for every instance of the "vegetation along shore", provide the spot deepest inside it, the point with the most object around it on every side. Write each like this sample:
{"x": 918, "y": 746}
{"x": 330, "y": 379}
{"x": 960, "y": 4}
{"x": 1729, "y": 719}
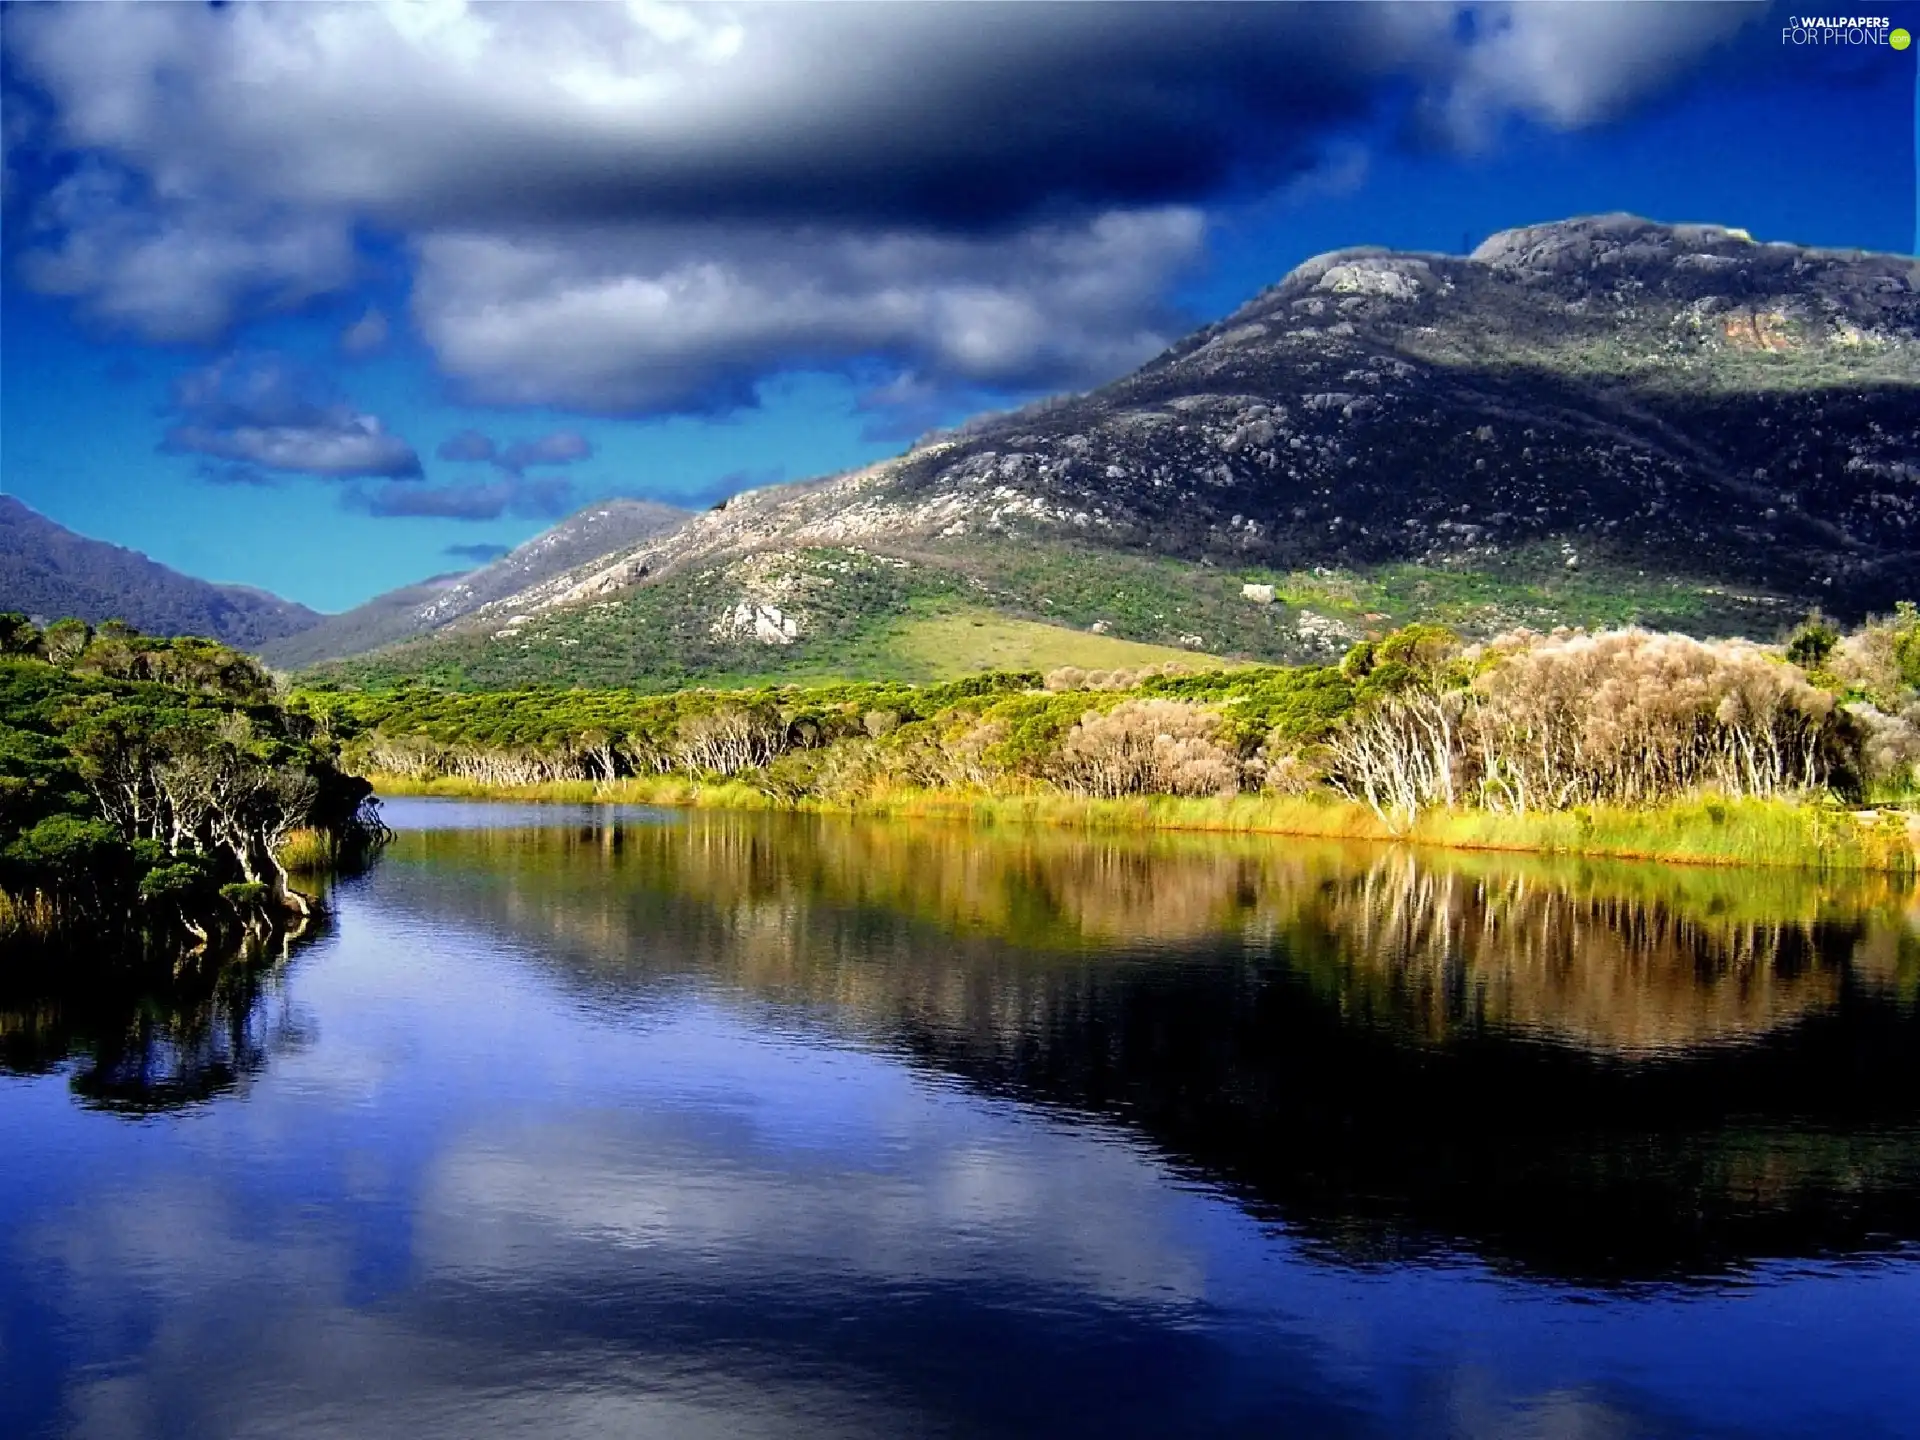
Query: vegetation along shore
{"x": 1625, "y": 743}
{"x": 158, "y": 790}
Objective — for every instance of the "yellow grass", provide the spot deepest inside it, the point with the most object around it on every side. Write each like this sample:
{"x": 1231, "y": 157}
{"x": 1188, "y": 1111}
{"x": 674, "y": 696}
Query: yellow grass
{"x": 1695, "y": 832}
{"x": 306, "y": 850}
{"x": 22, "y": 915}
{"x": 947, "y": 644}
{"x": 967, "y": 641}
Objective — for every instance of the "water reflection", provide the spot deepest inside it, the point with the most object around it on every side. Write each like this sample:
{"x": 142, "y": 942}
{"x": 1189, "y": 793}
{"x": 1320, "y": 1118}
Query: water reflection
{"x": 1598, "y": 1073}
{"x": 1590, "y": 957}
{"x": 710, "y": 1125}
{"x": 142, "y": 1034}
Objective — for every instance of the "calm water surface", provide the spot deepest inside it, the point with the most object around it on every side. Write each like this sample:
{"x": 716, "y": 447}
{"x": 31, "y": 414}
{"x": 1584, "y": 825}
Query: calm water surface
{"x": 603, "y": 1123}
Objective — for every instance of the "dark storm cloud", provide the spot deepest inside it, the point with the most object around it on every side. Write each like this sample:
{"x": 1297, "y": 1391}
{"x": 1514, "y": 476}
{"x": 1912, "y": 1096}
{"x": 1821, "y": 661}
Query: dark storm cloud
{"x": 955, "y": 117}
{"x": 262, "y": 411}
{"x": 649, "y": 208}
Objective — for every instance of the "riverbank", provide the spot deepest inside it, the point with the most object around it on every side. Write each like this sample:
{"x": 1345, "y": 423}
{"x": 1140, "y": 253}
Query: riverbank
{"x": 1694, "y": 832}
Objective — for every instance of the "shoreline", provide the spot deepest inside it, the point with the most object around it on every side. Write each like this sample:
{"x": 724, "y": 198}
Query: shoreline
{"x": 1710, "y": 832}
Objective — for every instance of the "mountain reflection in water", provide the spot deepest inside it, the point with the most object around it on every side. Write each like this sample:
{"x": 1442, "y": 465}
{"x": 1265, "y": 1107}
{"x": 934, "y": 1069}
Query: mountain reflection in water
{"x": 580, "y": 1122}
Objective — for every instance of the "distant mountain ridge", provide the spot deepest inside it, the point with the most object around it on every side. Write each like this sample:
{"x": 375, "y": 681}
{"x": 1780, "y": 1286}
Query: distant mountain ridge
{"x": 50, "y": 572}
{"x": 1600, "y": 419}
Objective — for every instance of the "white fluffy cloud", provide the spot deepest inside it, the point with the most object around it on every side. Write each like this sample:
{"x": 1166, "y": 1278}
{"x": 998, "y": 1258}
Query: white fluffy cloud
{"x": 649, "y": 206}
{"x": 1569, "y": 63}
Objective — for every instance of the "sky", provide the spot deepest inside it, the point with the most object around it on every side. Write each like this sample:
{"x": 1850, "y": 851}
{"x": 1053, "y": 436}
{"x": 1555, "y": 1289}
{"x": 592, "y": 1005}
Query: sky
{"x": 328, "y": 299}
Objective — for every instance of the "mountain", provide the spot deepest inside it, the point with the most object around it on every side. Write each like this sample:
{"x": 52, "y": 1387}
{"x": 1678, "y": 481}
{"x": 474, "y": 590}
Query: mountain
{"x": 1598, "y": 420}
{"x": 48, "y": 571}
{"x": 393, "y": 616}
{"x": 609, "y": 527}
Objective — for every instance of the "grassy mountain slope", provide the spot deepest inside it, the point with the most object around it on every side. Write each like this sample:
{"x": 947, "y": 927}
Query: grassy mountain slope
{"x": 48, "y": 571}
{"x": 598, "y": 530}
{"x": 1600, "y": 420}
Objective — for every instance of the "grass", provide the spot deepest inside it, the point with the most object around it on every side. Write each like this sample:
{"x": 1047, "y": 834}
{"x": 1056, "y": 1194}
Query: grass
{"x": 1706, "y": 831}
{"x": 306, "y": 850}
{"x": 956, "y": 609}
{"x": 947, "y": 645}
{"x": 26, "y": 915}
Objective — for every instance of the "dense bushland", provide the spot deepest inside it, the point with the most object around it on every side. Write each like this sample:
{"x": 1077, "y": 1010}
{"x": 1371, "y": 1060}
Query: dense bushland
{"x": 155, "y": 785}
{"x": 1523, "y": 724}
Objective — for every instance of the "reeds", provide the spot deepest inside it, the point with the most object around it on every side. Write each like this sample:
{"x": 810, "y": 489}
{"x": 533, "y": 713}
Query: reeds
{"x": 26, "y": 916}
{"x": 1701, "y": 831}
{"x": 306, "y": 851}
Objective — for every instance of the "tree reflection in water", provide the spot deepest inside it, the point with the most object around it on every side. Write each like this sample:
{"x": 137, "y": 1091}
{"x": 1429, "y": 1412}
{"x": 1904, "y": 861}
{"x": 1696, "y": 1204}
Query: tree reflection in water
{"x": 1600, "y": 1073}
{"x": 149, "y": 1033}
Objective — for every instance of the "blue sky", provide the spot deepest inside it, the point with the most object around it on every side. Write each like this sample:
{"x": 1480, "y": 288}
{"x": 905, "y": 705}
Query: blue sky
{"x": 268, "y": 272}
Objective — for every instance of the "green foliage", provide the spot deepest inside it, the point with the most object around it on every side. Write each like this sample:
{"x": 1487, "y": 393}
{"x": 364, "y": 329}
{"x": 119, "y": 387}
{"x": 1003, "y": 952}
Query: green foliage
{"x": 66, "y": 848}
{"x": 142, "y": 774}
{"x": 1812, "y": 641}
{"x": 1415, "y": 657}
{"x": 1298, "y": 705}
{"x": 1906, "y": 642}
{"x": 65, "y": 640}
{"x": 18, "y": 634}
{"x": 175, "y": 881}
{"x": 1685, "y": 721}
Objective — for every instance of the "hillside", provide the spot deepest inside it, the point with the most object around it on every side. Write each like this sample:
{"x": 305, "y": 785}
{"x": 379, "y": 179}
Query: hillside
{"x": 383, "y": 620}
{"x": 48, "y": 571}
{"x": 1599, "y": 420}
{"x": 598, "y": 530}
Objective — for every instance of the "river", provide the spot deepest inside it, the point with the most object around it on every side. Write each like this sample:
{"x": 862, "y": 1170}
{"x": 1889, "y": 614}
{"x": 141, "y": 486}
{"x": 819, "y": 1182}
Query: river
{"x": 591, "y": 1122}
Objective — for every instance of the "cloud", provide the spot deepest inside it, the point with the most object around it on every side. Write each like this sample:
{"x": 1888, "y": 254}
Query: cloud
{"x": 468, "y": 445}
{"x": 644, "y": 208}
{"x": 888, "y": 115}
{"x": 477, "y": 553}
{"x": 908, "y": 407}
{"x": 365, "y": 336}
{"x": 1569, "y": 64}
{"x": 542, "y": 499}
{"x": 884, "y": 116}
{"x": 639, "y": 319}
{"x": 261, "y": 411}
{"x": 214, "y": 473}
{"x": 561, "y": 447}
{"x": 174, "y": 272}
{"x": 357, "y": 447}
